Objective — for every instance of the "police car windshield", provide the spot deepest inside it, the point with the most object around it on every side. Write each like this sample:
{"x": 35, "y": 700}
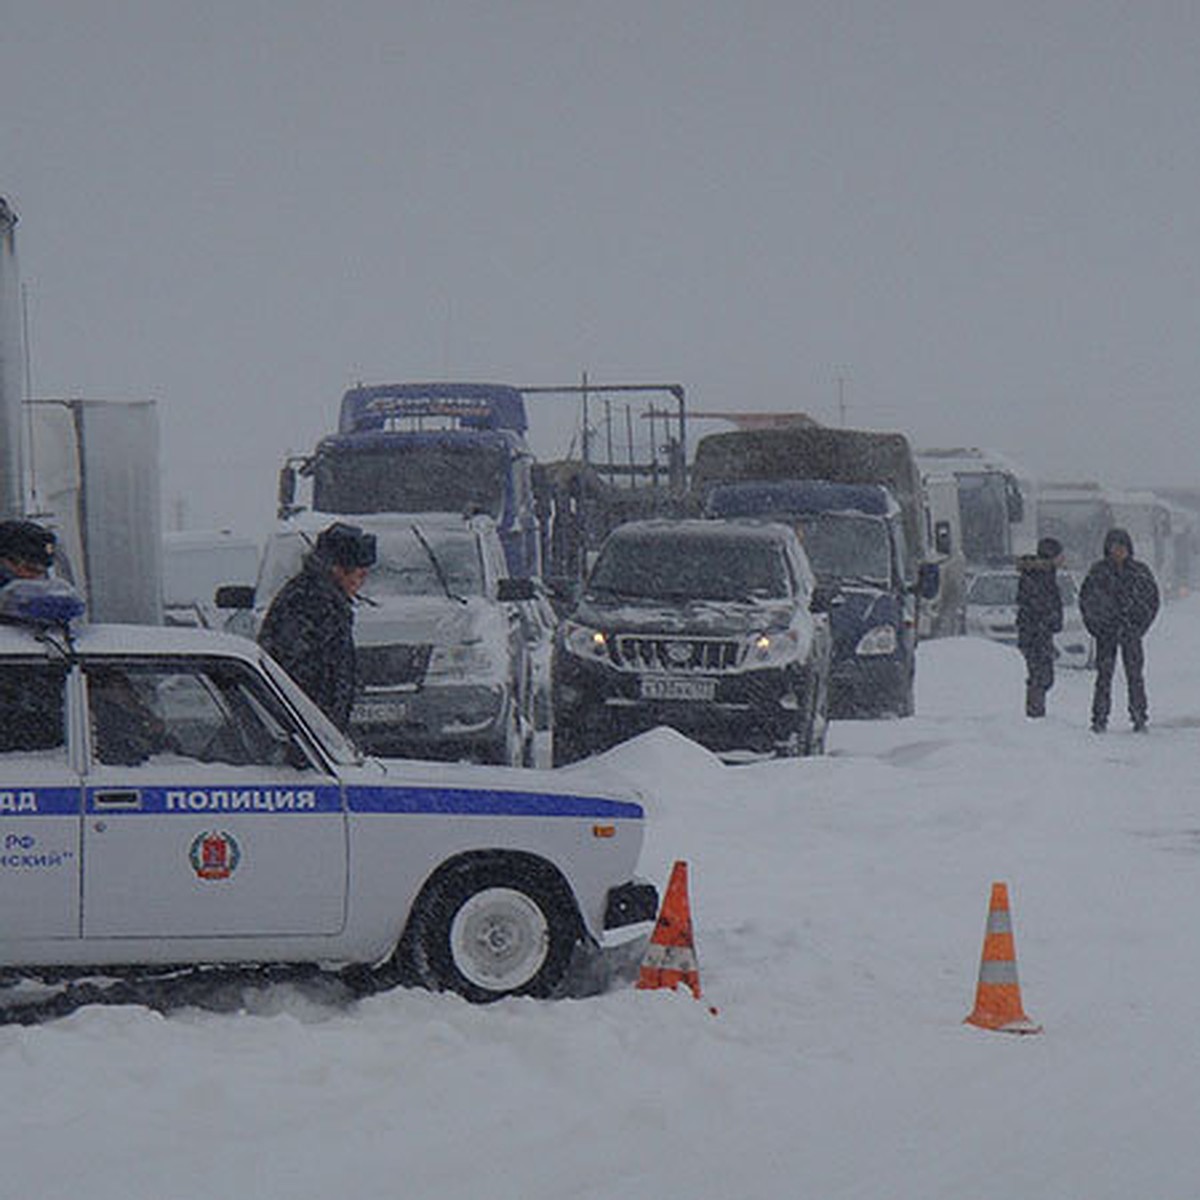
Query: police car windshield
{"x": 333, "y": 741}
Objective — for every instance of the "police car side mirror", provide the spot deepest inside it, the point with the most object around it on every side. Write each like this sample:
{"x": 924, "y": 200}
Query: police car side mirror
{"x": 511, "y": 590}
{"x": 234, "y": 595}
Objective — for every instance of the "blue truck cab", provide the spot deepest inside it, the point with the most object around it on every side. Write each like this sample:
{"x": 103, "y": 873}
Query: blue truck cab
{"x": 854, "y": 536}
{"x": 430, "y": 447}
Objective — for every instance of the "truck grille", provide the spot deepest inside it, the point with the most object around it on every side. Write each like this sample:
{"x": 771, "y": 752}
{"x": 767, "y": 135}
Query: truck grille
{"x": 387, "y": 666}
{"x": 677, "y": 654}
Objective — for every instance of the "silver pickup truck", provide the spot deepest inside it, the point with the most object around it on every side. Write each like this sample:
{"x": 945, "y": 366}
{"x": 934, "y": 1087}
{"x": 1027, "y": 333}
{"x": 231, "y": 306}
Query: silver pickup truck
{"x": 170, "y": 796}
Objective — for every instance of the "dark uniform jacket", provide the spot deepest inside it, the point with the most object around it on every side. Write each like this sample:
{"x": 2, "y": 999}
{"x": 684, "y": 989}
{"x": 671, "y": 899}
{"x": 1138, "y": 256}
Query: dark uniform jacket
{"x": 1118, "y": 602}
{"x": 308, "y": 630}
{"x": 1039, "y": 602}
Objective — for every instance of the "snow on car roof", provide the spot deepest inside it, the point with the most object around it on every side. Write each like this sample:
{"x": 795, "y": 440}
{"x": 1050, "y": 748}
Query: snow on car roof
{"x": 132, "y": 639}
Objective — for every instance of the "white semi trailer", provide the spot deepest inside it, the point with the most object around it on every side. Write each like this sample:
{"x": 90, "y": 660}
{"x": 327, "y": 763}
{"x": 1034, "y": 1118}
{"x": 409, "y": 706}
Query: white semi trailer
{"x": 89, "y": 469}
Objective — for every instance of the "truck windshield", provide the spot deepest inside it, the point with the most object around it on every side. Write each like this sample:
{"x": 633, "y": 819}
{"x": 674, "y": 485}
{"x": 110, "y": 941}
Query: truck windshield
{"x": 845, "y": 546}
{"x": 427, "y": 477}
{"x": 693, "y": 568}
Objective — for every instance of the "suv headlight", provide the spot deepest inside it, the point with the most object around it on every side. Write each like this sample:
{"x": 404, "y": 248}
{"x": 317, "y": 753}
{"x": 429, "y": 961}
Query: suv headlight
{"x": 465, "y": 658}
{"x": 583, "y": 641}
{"x": 880, "y": 640}
{"x": 774, "y": 647}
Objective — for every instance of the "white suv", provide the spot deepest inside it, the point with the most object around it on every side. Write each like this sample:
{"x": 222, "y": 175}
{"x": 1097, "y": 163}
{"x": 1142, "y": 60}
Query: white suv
{"x": 445, "y": 664}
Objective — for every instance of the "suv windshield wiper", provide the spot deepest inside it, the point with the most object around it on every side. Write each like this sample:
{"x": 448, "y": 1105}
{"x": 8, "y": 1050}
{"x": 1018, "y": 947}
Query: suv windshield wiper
{"x": 437, "y": 567}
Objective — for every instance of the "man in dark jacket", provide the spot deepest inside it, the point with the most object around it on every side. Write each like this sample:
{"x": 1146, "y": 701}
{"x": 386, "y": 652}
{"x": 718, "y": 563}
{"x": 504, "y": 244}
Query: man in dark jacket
{"x": 309, "y": 627}
{"x": 1039, "y": 618}
{"x": 1118, "y": 603}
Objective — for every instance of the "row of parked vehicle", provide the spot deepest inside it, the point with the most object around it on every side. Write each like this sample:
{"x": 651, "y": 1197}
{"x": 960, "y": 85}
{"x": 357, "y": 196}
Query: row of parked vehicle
{"x": 748, "y": 629}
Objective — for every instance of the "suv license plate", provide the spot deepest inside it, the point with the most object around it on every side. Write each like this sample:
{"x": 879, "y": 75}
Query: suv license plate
{"x": 658, "y": 687}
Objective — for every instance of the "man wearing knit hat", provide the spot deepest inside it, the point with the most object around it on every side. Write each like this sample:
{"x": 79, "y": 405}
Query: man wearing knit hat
{"x": 1039, "y": 618}
{"x": 1118, "y": 602}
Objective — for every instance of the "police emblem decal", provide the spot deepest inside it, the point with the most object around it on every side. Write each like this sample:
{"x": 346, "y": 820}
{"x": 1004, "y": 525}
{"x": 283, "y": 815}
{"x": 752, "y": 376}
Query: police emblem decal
{"x": 214, "y": 854}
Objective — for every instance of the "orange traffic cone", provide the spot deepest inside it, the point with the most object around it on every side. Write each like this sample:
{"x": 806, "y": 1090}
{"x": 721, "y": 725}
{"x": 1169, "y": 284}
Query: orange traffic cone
{"x": 670, "y": 957}
{"x": 998, "y": 998}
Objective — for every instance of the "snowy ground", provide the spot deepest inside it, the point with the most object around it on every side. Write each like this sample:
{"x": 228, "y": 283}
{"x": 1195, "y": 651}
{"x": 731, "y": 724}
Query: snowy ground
{"x": 839, "y": 907}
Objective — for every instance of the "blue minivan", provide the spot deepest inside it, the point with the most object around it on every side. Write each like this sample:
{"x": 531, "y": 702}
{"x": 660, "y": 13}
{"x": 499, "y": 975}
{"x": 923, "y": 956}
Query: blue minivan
{"x": 853, "y": 534}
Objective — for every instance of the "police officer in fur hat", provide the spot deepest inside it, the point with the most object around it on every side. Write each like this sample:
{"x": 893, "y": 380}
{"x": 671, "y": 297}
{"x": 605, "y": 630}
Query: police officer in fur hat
{"x": 309, "y": 628}
{"x": 1039, "y": 618}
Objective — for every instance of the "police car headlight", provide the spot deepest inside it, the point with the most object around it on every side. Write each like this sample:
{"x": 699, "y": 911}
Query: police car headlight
{"x": 773, "y": 647}
{"x": 583, "y": 641}
{"x": 464, "y": 658}
{"x": 880, "y": 640}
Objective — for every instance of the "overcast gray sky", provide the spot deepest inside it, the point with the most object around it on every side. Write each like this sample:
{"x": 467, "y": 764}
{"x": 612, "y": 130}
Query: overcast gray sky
{"x": 985, "y": 217}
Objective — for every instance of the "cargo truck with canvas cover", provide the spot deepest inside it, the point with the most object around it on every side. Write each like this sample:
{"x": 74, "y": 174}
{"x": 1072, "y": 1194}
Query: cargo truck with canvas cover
{"x": 818, "y": 452}
{"x": 88, "y": 469}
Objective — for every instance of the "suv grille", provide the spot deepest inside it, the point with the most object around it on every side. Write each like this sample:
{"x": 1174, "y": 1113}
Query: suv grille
{"x": 677, "y": 654}
{"x": 387, "y": 666}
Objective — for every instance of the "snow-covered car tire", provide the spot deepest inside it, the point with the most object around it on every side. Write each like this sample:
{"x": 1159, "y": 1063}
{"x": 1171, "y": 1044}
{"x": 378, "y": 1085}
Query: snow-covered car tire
{"x": 493, "y": 927}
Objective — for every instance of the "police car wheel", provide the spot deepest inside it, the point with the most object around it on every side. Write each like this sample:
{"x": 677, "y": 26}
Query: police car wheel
{"x": 496, "y": 929}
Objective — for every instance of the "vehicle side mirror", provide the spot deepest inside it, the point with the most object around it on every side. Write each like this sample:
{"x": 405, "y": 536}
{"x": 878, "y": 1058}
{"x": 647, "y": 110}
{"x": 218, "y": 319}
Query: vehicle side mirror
{"x": 824, "y": 598}
{"x": 941, "y": 537}
{"x": 511, "y": 590}
{"x": 234, "y": 595}
{"x": 929, "y": 580}
{"x": 1015, "y": 502}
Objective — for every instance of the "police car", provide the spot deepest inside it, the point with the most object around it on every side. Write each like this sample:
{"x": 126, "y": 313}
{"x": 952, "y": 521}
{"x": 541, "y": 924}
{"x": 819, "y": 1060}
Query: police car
{"x": 171, "y": 796}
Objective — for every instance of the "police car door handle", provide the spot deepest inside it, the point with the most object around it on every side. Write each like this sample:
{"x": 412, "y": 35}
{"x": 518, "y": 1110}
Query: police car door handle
{"x": 117, "y": 800}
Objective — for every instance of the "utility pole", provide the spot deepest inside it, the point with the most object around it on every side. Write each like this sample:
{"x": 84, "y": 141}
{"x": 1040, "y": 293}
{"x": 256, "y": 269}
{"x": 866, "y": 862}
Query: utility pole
{"x": 841, "y": 399}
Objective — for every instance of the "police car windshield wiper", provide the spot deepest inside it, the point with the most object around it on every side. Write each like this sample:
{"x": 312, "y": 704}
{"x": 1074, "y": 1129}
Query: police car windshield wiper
{"x": 437, "y": 567}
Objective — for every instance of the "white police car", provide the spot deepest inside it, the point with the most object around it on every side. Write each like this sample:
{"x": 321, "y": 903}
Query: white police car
{"x": 170, "y": 796}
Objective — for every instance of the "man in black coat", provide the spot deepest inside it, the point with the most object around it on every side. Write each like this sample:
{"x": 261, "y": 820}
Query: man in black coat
{"x": 309, "y": 628}
{"x": 1039, "y": 618}
{"x": 1118, "y": 603}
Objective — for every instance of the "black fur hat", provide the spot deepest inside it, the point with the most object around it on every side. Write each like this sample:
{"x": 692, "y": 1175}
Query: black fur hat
{"x": 27, "y": 542}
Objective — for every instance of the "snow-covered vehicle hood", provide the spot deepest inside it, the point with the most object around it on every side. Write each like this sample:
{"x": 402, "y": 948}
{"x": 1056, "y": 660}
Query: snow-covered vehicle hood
{"x": 723, "y": 618}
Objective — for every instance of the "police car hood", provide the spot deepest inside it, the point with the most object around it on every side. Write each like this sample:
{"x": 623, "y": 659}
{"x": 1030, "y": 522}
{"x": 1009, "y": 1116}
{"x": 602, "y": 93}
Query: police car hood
{"x": 722, "y": 618}
{"x": 519, "y": 785}
{"x": 425, "y": 620}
